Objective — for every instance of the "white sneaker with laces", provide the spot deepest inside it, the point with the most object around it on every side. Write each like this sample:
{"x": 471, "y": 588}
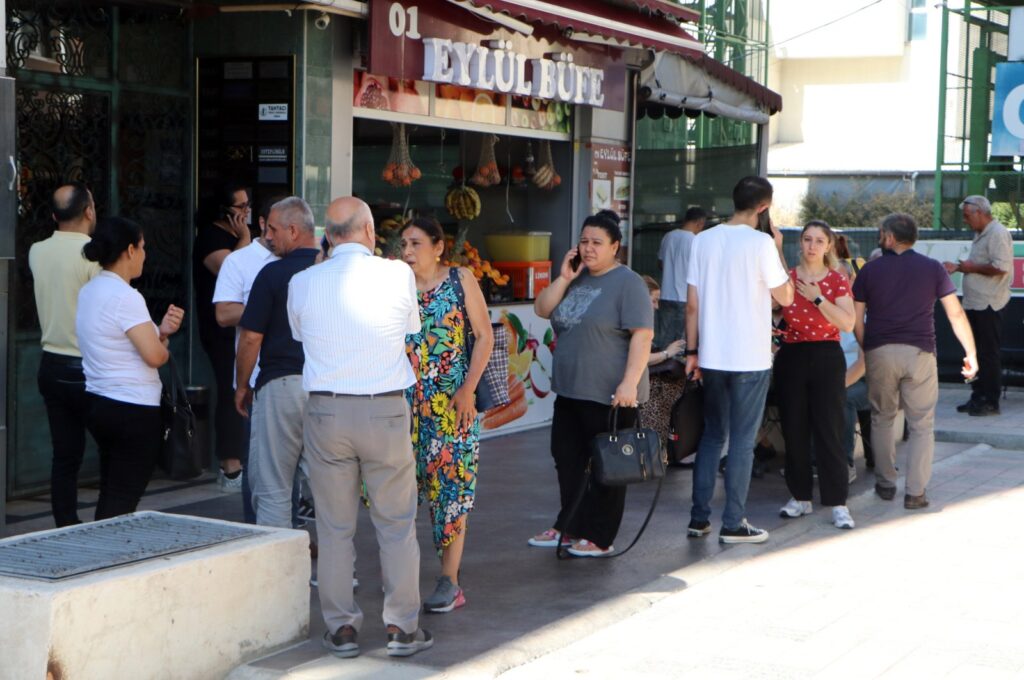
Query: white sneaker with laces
{"x": 227, "y": 485}
{"x": 841, "y": 517}
{"x": 795, "y": 508}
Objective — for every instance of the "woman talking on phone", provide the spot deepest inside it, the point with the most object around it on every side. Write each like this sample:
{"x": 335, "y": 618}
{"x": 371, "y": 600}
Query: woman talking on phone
{"x": 604, "y": 320}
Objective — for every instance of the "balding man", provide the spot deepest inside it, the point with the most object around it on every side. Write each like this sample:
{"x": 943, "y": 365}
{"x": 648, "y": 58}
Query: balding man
{"x": 986, "y": 288}
{"x": 276, "y": 442}
{"x": 59, "y": 270}
{"x": 352, "y": 313}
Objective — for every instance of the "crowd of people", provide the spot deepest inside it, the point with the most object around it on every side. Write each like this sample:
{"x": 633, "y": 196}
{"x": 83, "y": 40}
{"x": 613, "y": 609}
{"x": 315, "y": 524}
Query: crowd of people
{"x": 343, "y": 378}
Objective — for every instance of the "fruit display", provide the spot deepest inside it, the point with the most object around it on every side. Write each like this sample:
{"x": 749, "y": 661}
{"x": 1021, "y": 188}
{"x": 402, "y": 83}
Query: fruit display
{"x": 389, "y": 236}
{"x": 462, "y": 202}
{"x": 400, "y": 170}
{"x": 487, "y": 174}
{"x": 546, "y": 177}
{"x": 465, "y": 255}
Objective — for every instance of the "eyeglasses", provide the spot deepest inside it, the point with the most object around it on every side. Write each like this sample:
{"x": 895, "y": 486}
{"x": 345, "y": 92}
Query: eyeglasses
{"x": 243, "y": 206}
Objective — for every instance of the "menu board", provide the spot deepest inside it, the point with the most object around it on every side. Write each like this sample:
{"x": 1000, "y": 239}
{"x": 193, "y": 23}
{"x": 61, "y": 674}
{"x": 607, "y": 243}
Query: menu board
{"x": 609, "y": 178}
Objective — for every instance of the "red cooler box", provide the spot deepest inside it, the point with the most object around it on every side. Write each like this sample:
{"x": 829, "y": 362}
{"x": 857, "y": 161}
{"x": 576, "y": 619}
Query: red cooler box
{"x": 528, "y": 278}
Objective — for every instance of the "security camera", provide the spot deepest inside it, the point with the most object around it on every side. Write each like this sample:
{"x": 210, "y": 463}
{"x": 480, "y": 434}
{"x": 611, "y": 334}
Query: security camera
{"x": 323, "y": 21}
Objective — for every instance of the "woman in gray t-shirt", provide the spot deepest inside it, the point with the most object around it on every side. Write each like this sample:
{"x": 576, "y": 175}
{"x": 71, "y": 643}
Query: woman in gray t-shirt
{"x": 604, "y": 321}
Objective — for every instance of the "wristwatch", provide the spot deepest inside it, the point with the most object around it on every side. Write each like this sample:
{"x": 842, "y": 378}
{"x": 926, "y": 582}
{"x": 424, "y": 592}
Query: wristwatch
{"x": 818, "y": 300}
{"x": 690, "y": 352}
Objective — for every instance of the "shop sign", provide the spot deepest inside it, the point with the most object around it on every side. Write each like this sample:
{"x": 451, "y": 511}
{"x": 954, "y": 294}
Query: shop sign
{"x": 609, "y": 178}
{"x": 438, "y": 41}
{"x": 503, "y": 70}
{"x": 273, "y": 112}
{"x": 273, "y": 154}
{"x": 1007, "y": 123}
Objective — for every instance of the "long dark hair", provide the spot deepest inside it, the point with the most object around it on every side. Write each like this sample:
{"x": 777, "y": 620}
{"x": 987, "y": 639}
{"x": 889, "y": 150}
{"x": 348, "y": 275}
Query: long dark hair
{"x": 112, "y": 237}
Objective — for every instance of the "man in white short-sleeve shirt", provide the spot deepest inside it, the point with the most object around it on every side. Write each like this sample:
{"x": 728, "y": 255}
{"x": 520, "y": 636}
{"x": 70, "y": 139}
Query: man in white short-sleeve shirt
{"x": 734, "y": 273}
{"x": 674, "y": 258}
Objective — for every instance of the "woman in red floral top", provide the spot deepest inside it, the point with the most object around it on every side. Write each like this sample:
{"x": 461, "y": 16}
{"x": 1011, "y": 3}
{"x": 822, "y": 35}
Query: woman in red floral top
{"x": 810, "y": 374}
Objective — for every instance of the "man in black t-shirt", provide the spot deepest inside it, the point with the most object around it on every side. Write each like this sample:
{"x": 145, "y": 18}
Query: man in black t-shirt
{"x": 276, "y": 442}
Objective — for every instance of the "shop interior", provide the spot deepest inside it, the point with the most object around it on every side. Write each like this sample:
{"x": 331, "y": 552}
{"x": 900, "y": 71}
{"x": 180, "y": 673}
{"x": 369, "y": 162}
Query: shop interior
{"x": 500, "y": 198}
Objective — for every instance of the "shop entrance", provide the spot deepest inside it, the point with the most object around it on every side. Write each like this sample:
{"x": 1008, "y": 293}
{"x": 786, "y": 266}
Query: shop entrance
{"x": 102, "y": 97}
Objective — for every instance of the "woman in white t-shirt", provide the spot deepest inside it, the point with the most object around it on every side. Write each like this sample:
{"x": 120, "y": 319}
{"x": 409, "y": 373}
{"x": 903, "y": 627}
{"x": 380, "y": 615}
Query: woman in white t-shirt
{"x": 121, "y": 351}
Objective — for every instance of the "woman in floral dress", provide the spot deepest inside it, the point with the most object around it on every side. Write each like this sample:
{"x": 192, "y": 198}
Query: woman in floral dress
{"x": 445, "y": 429}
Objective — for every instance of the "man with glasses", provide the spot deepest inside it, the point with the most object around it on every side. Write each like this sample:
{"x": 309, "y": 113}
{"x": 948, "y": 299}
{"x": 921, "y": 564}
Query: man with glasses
{"x": 986, "y": 287}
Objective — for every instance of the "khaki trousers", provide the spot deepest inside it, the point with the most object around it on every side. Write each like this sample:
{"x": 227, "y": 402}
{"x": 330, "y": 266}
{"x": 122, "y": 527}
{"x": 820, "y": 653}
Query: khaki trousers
{"x": 903, "y": 376}
{"x": 343, "y": 438}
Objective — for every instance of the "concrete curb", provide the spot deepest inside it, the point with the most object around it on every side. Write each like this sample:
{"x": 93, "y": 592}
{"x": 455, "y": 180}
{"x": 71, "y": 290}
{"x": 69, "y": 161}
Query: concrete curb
{"x": 997, "y": 440}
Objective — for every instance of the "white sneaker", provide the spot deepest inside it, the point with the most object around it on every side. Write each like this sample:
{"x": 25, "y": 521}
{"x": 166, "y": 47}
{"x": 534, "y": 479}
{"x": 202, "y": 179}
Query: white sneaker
{"x": 228, "y": 485}
{"x": 853, "y": 474}
{"x": 795, "y": 508}
{"x": 841, "y": 517}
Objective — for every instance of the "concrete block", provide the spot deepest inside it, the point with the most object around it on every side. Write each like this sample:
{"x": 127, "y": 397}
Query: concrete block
{"x": 196, "y": 614}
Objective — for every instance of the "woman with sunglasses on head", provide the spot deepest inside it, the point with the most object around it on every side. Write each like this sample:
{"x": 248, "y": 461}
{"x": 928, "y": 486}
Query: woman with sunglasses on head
{"x": 121, "y": 351}
{"x": 810, "y": 373}
{"x": 602, "y": 314}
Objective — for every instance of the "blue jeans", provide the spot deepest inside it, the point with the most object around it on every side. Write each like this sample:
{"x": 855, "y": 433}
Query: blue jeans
{"x": 733, "y": 408}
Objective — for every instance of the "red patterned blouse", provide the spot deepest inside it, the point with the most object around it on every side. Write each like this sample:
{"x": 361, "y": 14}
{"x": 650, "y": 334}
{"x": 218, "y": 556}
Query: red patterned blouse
{"x": 804, "y": 321}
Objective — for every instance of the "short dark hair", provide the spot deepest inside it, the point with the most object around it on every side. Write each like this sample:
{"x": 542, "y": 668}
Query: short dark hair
{"x": 695, "y": 213}
{"x": 112, "y": 237}
{"x": 902, "y": 227}
{"x": 74, "y": 207}
{"x": 267, "y": 203}
{"x": 608, "y": 220}
{"x": 430, "y": 227}
{"x": 751, "y": 191}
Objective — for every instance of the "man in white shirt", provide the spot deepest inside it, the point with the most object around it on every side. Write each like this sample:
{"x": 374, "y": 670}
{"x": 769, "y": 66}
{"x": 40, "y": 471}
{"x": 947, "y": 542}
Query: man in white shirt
{"x": 735, "y": 271}
{"x": 673, "y": 258}
{"x": 59, "y": 270}
{"x": 234, "y": 282}
{"x": 352, "y": 313}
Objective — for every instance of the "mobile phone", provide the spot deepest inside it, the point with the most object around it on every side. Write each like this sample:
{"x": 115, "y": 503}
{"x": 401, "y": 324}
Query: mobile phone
{"x": 764, "y": 222}
{"x": 577, "y": 261}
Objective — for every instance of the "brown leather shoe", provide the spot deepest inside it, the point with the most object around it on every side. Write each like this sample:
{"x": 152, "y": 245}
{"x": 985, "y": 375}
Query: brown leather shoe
{"x": 915, "y": 502}
{"x": 886, "y": 493}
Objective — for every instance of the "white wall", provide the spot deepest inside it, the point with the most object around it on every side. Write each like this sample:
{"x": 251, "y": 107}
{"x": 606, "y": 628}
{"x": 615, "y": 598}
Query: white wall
{"x": 860, "y": 97}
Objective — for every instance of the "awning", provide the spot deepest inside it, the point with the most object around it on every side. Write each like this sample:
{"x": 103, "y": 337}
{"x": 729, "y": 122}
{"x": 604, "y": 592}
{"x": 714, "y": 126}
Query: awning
{"x": 627, "y": 24}
{"x": 703, "y": 84}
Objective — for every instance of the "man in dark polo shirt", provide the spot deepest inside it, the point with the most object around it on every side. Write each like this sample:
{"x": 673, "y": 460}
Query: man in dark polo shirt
{"x": 265, "y": 333}
{"x": 897, "y": 292}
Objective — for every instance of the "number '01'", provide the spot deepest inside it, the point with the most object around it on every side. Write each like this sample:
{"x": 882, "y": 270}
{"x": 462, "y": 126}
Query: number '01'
{"x": 397, "y": 21}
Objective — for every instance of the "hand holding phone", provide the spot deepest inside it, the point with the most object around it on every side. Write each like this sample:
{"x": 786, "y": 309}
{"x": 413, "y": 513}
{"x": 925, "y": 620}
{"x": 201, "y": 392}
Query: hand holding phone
{"x": 572, "y": 265}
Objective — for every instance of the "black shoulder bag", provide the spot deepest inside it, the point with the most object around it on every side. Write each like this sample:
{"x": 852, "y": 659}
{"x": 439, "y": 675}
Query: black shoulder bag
{"x": 179, "y": 455}
{"x": 620, "y": 457}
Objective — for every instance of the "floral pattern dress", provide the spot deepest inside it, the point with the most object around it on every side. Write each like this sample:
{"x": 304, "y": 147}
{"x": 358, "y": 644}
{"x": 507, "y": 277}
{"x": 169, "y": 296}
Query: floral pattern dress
{"x": 446, "y": 455}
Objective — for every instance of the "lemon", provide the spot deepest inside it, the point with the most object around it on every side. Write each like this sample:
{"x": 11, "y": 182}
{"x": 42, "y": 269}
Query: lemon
{"x": 519, "y": 364}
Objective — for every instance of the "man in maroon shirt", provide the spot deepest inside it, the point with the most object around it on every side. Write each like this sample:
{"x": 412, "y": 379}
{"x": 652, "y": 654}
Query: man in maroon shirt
{"x": 897, "y": 292}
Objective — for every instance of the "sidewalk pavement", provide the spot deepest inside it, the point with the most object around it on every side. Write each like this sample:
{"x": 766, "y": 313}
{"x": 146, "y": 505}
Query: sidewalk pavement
{"x": 1005, "y": 431}
{"x": 813, "y": 601}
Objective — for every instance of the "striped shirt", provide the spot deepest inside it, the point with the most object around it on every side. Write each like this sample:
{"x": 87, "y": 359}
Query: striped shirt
{"x": 351, "y": 313}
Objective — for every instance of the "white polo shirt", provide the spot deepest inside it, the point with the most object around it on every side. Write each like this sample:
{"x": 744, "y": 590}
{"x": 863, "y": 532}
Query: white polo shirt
{"x": 107, "y": 309}
{"x": 234, "y": 282}
{"x": 352, "y": 314}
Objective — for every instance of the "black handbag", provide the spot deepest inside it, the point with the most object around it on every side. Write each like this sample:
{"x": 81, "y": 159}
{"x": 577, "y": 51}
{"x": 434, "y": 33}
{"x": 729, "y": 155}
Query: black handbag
{"x": 627, "y": 456}
{"x": 179, "y": 452}
{"x": 686, "y": 422}
{"x": 620, "y": 457}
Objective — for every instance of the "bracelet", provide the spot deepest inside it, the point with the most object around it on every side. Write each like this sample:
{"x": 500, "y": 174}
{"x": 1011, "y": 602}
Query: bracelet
{"x": 690, "y": 352}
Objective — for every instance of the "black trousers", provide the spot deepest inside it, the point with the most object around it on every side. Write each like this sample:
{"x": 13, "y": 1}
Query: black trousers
{"x": 231, "y": 436}
{"x": 129, "y": 438}
{"x": 62, "y": 386}
{"x": 576, "y": 422}
{"x": 810, "y": 382}
{"x": 987, "y": 326}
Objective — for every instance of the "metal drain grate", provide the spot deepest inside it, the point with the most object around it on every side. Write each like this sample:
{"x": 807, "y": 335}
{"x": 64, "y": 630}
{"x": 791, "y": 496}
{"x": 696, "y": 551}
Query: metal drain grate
{"x": 86, "y": 548}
